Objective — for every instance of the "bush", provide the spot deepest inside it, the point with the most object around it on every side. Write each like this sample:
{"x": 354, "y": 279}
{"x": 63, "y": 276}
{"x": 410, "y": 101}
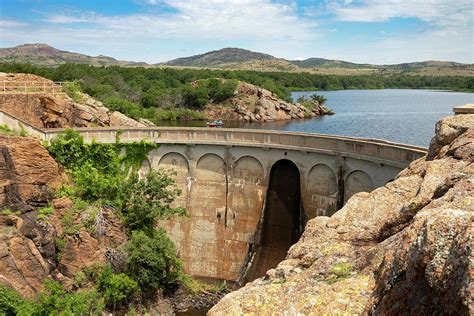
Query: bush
{"x": 148, "y": 199}
{"x": 220, "y": 90}
{"x": 53, "y": 301}
{"x": 56, "y": 301}
{"x": 11, "y": 303}
{"x": 44, "y": 212}
{"x": 73, "y": 90}
{"x": 69, "y": 150}
{"x": 116, "y": 289}
{"x": 152, "y": 260}
{"x": 318, "y": 98}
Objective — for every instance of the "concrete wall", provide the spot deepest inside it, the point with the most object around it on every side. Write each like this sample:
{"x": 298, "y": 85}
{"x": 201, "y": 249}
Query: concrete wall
{"x": 19, "y": 125}
{"x": 224, "y": 189}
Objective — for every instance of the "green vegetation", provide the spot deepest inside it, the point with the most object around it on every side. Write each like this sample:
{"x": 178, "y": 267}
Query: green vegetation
{"x": 116, "y": 289}
{"x": 6, "y": 130}
{"x": 311, "y": 102}
{"x": 53, "y": 301}
{"x": 152, "y": 261}
{"x": 106, "y": 175}
{"x": 8, "y": 211}
{"x": 168, "y": 93}
{"x": 73, "y": 90}
{"x": 44, "y": 212}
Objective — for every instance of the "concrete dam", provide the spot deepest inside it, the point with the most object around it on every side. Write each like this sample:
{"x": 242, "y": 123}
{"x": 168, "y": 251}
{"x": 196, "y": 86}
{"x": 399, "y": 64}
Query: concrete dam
{"x": 249, "y": 193}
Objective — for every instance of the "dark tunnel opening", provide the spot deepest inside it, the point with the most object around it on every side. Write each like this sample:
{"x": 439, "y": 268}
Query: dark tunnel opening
{"x": 281, "y": 227}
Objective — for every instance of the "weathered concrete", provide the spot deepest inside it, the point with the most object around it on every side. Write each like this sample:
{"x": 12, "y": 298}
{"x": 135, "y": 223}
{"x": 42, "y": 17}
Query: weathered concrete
{"x": 464, "y": 109}
{"x": 224, "y": 175}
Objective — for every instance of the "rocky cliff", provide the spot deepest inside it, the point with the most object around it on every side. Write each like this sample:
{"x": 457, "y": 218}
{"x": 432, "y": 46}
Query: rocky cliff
{"x": 254, "y": 104}
{"x": 54, "y": 110}
{"x": 405, "y": 248}
{"x": 28, "y": 243}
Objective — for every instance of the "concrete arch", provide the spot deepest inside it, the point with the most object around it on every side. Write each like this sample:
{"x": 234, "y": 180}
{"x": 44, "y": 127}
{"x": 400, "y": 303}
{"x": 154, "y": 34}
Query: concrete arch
{"x": 211, "y": 167}
{"x": 249, "y": 170}
{"x": 176, "y": 162}
{"x": 320, "y": 195}
{"x": 321, "y": 180}
{"x": 357, "y": 181}
{"x": 281, "y": 226}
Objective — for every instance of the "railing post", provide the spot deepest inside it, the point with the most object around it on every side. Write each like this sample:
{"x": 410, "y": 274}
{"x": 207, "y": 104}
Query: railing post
{"x": 25, "y": 86}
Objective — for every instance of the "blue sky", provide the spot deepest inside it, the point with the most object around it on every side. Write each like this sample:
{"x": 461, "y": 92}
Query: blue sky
{"x": 364, "y": 31}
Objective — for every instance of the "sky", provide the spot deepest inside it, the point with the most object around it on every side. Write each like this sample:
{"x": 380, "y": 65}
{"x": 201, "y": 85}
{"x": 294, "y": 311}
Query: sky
{"x": 362, "y": 31}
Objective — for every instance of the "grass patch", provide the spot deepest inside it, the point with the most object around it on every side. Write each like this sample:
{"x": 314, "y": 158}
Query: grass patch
{"x": 8, "y": 211}
{"x": 44, "y": 212}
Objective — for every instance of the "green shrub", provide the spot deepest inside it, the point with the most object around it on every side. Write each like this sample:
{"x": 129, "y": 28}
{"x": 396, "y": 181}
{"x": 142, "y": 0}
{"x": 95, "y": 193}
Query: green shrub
{"x": 70, "y": 227}
{"x": 152, "y": 260}
{"x": 4, "y": 129}
{"x": 23, "y": 132}
{"x": 55, "y": 301}
{"x": 148, "y": 199}
{"x": 220, "y": 90}
{"x": 60, "y": 243}
{"x": 11, "y": 303}
{"x": 73, "y": 89}
{"x": 80, "y": 279}
{"x": 116, "y": 289}
{"x": 44, "y": 212}
{"x": 319, "y": 98}
{"x": 8, "y": 211}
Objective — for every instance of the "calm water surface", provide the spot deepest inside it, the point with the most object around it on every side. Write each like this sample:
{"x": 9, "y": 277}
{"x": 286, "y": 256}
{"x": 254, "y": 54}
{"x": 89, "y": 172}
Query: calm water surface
{"x": 399, "y": 115}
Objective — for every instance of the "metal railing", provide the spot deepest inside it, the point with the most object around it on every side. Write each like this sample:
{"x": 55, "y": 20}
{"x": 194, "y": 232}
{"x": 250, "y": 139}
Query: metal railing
{"x": 30, "y": 87}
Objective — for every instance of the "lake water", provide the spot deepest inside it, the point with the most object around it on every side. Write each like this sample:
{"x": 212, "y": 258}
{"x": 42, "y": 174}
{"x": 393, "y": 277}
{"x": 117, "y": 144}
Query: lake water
{"x": 398, "y": 115}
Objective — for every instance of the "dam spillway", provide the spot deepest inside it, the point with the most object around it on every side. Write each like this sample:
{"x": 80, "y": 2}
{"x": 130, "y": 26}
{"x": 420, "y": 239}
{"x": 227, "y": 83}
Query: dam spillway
{"x": 237, "y": 185}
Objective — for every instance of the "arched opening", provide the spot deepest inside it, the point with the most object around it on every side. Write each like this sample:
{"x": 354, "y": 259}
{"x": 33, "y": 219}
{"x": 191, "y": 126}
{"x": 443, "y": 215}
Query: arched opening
{"x": 281, "y": 226}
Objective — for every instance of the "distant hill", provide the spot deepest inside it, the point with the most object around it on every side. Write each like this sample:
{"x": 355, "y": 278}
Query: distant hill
{"x": 45, "y": 55}
{"x": 219, "y": 58}
{"x": 237, "y": 58}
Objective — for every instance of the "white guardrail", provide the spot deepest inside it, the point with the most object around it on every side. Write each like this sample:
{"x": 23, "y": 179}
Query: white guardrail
{"x": 30, "y": 87}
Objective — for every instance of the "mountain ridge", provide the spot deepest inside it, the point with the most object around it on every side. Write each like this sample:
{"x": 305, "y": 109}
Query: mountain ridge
{"x": 236, "y": 59}
{"x": 45, "y": 55}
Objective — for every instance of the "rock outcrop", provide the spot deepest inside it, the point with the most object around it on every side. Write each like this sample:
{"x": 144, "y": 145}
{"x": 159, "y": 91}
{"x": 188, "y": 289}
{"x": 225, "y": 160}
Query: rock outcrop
{"x": 254, "y": 104}
{"x": 29, "y": 177}
{"x": 405, "y": 248}
{"x": 29, "y": 252}
{"x": 44, "y": 109}
{"x": 27, "y": 174}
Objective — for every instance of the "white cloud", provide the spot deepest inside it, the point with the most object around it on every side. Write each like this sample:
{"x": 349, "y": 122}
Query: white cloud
{"x": 448, "y": 34}
{"x": 6, "y": 23}
{"x": 438, "y": 11}
{"x": 205, "y": 19}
